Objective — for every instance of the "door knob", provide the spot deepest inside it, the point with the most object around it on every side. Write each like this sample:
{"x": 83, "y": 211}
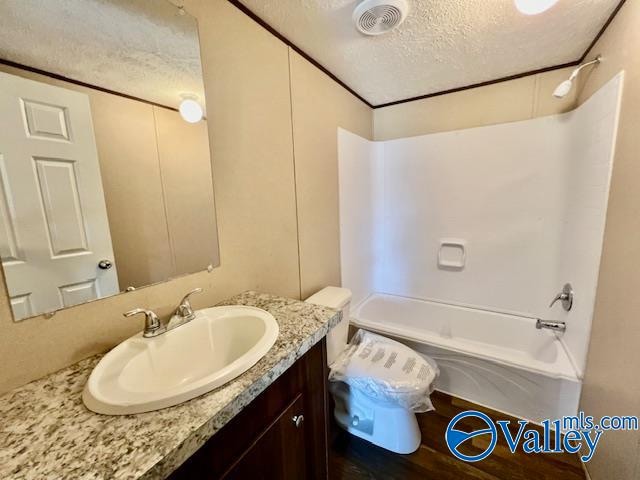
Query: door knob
{"x": 297, "y": 420}
{"x": 105, "y": 264}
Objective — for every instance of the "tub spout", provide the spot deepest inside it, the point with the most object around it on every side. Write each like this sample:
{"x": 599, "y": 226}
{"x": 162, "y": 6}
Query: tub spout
{"x": 551, "y": 325}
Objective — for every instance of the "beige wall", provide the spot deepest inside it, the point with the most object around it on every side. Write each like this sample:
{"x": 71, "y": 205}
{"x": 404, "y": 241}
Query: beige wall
{"x": 612, "y": 378}
{"x": 249, "y": 81}
{"x": 520, "y": 99}
{"x": 185, "y": 167}
{"x": 319, "y": 107}
{"x": 141, "y": 254}
{"x": 246, "y": 72}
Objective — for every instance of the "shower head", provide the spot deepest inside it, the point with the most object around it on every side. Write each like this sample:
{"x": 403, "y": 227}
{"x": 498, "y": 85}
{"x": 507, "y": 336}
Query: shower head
{"x": 565, "y": 87}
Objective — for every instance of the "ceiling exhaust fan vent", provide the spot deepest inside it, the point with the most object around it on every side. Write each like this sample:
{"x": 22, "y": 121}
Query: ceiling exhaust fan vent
{"x": 375, "y": 17}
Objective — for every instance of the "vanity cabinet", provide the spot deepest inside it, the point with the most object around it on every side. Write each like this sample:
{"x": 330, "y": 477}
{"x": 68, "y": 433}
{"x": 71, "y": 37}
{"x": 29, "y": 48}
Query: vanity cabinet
{"x": 281, "y": 435}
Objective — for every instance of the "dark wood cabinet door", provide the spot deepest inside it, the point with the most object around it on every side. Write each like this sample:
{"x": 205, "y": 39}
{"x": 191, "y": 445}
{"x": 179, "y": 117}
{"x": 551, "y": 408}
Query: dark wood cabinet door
{"x": 279, "y": 453}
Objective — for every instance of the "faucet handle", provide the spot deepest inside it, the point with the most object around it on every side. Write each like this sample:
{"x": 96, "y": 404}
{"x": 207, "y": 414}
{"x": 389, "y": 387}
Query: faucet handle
{"x": 560, "y": 296}
{"x": 151, "y": 323}
{"x": 566, "y": 297}
{"x": 185, "y": 299}
{"x": 185, "y": 310}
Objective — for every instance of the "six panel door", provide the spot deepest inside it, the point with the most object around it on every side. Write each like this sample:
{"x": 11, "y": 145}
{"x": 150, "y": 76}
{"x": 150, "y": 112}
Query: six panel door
{"x": 54, "y": 229}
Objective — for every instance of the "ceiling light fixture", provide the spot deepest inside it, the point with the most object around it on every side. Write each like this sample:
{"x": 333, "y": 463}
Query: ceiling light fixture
{"x": 534, "y": 7}
{"x": 190, "y": 109}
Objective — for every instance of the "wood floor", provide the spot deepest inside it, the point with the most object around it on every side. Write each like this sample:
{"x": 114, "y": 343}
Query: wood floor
{"x": 351, "y": 458}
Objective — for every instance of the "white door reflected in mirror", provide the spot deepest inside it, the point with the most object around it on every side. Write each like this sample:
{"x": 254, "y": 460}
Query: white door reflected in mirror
{"x": 55, "y": 230}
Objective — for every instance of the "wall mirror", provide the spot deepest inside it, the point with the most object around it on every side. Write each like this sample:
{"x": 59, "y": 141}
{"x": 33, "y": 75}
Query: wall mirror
{"x": 105, "y": 170}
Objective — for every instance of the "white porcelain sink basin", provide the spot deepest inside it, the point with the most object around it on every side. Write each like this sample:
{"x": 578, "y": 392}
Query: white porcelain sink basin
{"x": 144, "y": 374}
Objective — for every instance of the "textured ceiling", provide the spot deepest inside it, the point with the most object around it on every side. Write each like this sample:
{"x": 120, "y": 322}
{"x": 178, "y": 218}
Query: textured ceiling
{"x": 443, "y": 44}
{"x": 141, "y": 48}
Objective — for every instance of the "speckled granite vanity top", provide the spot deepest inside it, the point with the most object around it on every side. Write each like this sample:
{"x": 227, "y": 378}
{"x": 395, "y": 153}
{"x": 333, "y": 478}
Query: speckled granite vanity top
{"x": 47, "y": 433}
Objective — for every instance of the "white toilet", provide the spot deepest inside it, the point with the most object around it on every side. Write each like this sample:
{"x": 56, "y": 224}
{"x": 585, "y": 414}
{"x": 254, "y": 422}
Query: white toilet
{"x": 363, "y": 413}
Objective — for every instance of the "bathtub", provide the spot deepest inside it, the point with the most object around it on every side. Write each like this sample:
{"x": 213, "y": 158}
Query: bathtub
{"x": 493, "y": 359}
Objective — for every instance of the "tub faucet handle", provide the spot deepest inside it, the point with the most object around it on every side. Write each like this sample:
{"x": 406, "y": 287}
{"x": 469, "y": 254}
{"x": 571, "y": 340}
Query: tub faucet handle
{"x": 565, "y": 296}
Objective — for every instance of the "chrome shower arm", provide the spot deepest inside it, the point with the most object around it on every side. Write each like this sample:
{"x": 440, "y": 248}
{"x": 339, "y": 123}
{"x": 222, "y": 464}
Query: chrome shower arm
{"x": 575, "y": 73}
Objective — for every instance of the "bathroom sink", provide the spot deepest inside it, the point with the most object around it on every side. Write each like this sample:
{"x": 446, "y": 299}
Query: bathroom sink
{"x": 145, "y": 374}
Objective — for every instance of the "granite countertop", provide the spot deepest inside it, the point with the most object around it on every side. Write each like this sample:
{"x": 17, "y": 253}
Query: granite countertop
{"x": 48, "y": 433}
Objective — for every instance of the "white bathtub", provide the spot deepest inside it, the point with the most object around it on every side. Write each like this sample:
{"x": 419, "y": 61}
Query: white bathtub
{"x": 493, "y": 359}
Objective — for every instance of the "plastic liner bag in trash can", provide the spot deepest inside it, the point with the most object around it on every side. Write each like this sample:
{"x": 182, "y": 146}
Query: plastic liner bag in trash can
{"x": 387, "y": 371}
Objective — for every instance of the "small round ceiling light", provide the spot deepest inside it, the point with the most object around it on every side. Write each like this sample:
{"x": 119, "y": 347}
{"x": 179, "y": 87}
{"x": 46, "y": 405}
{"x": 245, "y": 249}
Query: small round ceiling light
{"x": 375, "y": 17}
{"x": 190, "y": 110}
{"x": 534, "y": 7}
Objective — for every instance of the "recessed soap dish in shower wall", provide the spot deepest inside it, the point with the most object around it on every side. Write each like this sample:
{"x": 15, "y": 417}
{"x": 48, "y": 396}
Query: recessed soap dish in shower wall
{"x": 452, "y": 254}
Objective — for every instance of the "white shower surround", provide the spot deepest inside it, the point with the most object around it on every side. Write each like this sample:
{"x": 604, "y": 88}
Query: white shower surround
{"x": 528, "y": 198}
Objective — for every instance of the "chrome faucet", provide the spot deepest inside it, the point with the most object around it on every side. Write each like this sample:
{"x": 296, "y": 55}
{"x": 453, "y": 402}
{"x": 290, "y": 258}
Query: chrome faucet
{"x": 554, "y": 325}
{"x": 153, "y": 326}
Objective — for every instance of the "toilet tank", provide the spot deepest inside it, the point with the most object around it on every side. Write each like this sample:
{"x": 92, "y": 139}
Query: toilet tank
{"x": 340, "y": 299}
